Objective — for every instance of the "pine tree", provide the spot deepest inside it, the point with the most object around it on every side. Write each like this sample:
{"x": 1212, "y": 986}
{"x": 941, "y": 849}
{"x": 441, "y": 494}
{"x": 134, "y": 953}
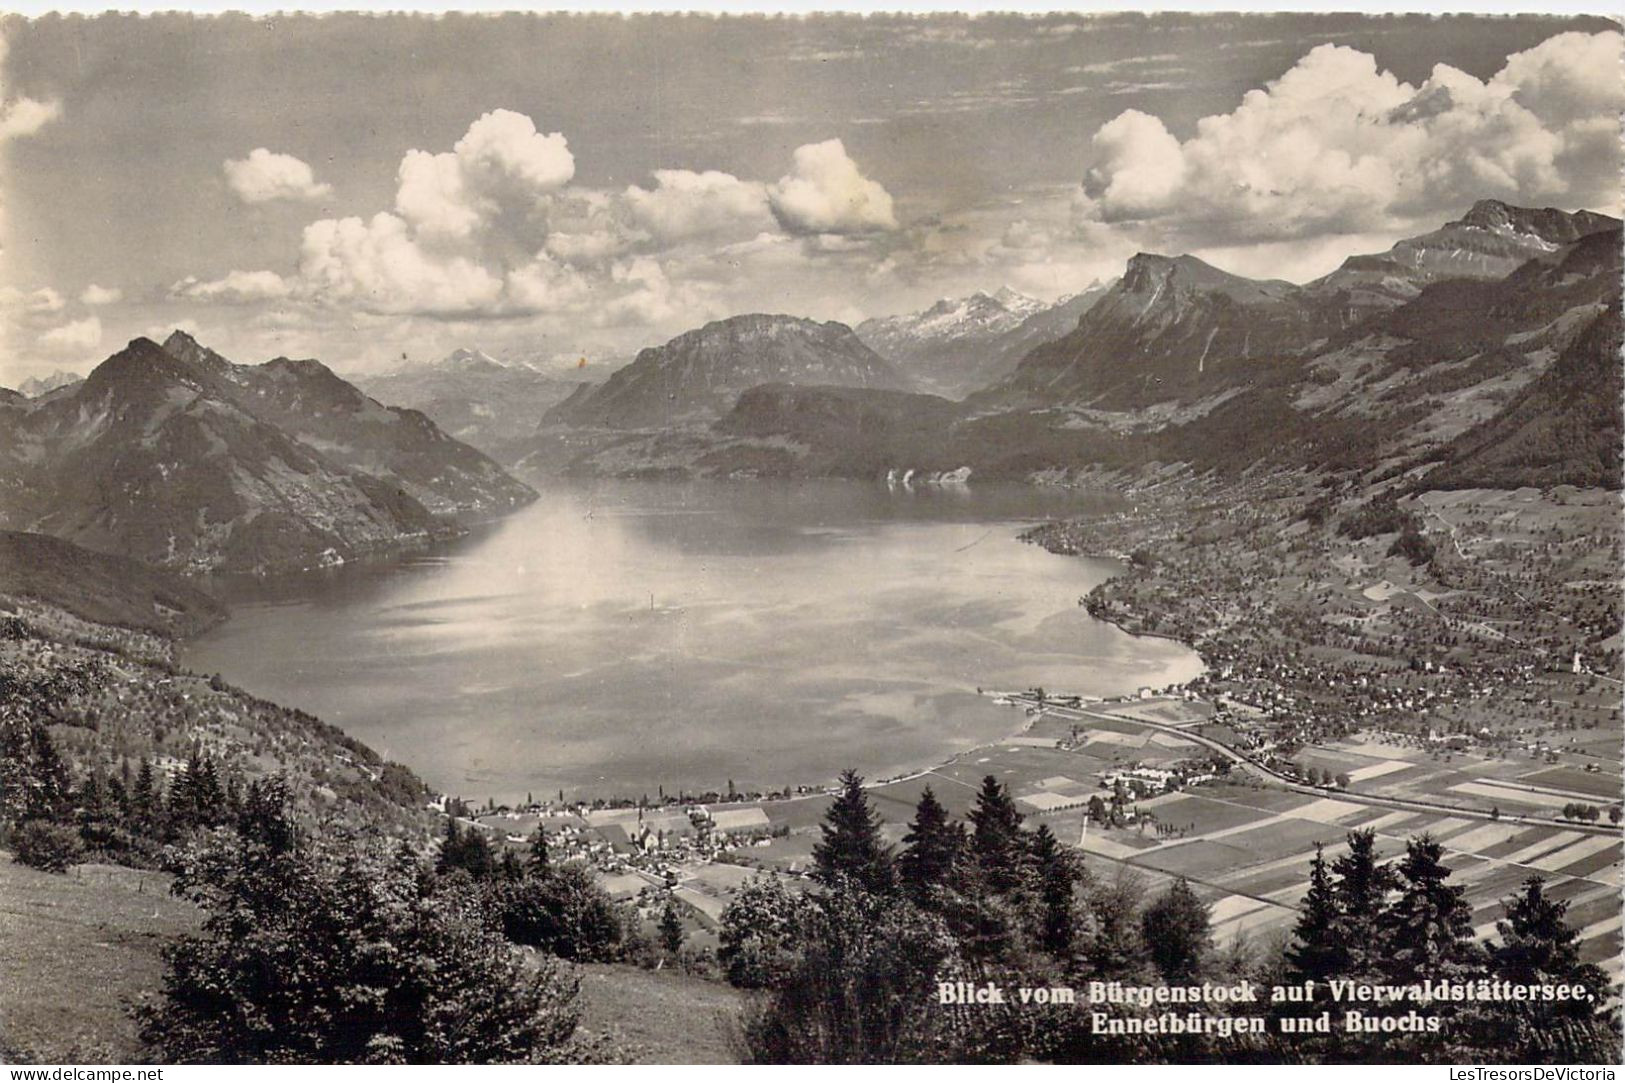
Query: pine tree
{"x": 536, "y": 860}
{"x": 1538, "y": 946}
{"x": 145, "y": 800}
{"x": 1057, "y": 912}
{"x": 671, "y": 929}
{"x": 1429, "y": 929}
{"x": 1361, "y": 894}
{"x": 1177, "y": 932}
{"x": 996, "y": 839}
{"x": 934, "y": 845}
{"x": 851, "y": 846}
{"x": 1317, "y": 951}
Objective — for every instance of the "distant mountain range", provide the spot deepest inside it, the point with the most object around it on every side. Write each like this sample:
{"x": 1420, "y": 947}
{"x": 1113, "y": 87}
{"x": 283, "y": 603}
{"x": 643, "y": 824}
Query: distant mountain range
{"x": 1464, "y": 352}
{"x": 477, "y": 399}
{"x": 960, "y": 345}
{"x": 39, "y": 385}
{"x": 697, "y": 376}
{"x": 175, "y": 456}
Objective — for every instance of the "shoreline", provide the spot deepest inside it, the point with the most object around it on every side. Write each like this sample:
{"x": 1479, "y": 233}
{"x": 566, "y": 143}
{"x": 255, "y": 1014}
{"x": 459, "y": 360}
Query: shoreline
{"x": 884, "y": 768}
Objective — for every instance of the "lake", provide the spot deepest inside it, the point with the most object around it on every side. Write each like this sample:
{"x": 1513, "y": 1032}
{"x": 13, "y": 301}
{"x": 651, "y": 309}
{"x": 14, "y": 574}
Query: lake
{"x": 616, "y": 637}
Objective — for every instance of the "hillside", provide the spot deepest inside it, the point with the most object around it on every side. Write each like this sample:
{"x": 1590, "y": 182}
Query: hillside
{"x": 1171, "y": 328}
{"x": 696, "y": 377}
{"x": 177, "y": 457}
{"x": 102, "y": 588}
{"x": 1562, "y": 429}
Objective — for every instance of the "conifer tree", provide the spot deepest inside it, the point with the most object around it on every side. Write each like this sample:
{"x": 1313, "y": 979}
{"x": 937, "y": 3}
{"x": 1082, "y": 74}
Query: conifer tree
{"x": 1361, "y": 893}
{"x": 1429, "y": 929}
{"x": 934, "y": 845}
{"x": 1057, "y": 912}
{"x": 1317, "y": 951}
{"x": 1537, "y": 946}
{"x": 996, "y": 839}
{"x": 851, "y": 847}
{"x": 1177, "y": 932}
{"x": 536, "y": 859}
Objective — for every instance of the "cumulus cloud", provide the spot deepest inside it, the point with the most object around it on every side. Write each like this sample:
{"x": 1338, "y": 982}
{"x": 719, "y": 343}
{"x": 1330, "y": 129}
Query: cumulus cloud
{"x": 499, "y": 172}
{"x": 685, "y": 205}
{"x": 236, "y": 287}
{"x": 96, "y": 296}
{"x": 265, "y": 176}
{"x": 826, "y": 193}
{"x": 1338, "y": 146}
{"x": 74, "y": 338}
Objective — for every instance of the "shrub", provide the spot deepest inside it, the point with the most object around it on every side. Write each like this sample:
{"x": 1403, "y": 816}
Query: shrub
{"x": 47, "y": 846}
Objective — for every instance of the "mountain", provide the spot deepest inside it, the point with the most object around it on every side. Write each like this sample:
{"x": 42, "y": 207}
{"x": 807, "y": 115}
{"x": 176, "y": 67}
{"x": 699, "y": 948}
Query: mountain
{"x": 697, "y": 376}
{"x": 1491, "y": 240}
{"x": 175, "y": 456}
{"x": 958, "y": 346}
{"x": 1172, "y": 327}
{"x": 1505, "y": 379}
{"x": 1178, "y": 330}
{"x": 39, "y": 385}
{"x": 475, "y": 398}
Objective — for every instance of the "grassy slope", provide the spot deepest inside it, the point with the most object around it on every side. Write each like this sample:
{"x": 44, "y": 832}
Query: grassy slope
{"x": 662, "y": 1017}
{"x": 77, "y": 949}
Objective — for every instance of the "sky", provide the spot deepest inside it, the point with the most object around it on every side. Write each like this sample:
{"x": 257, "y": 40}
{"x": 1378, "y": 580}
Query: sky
{"x": 375, "y": 190}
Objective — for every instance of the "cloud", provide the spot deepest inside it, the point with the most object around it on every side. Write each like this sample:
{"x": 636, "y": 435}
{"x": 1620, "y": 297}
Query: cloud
{"x": 498, "y": 174}
{"x": 379, "y": 264}
{"x": 74, "y": 338}
{"x": 40, "y": 302}
{"x": 684, "y": 205}
{"x": 96, "y": 296}
{"x": 826, "y": 193}
{"x": 236, "y": 287}
{"x": 265, "y": 176}
{"x": 1336, "y": 146}
{"x": 21, "y": 116}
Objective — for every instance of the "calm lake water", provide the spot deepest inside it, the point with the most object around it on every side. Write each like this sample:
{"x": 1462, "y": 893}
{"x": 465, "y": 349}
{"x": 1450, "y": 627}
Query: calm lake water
{"x": 618, "y": 636}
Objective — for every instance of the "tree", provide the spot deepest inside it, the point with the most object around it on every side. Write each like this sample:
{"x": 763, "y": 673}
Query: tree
{"x": 1537, "y": 946}
{"x": 565, "y": 912}
{"x": 1317, "y": 951}
{"x": 1057, "y": 911}
{"x": 761, "y": 930}
{"x": 341, "y": 954}
{"x": 671, "y": 929}
{"x": 862, "y": 987}
{"x": 1115, "y": 948}
{"x": 51, "y": 847}
{"x": 933, "y": 848}
{"x": 1361, "y": 893}
{"x": 536, "y": 857}
{"x": 1177, "y": 933}
{"x": 851, "y": 846}
{"x": 996, "y": 839}
{"x": 1429, "y": 929}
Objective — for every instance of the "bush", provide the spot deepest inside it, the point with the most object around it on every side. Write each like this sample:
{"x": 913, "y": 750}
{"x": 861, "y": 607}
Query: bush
{"x": 52, "y": 847}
